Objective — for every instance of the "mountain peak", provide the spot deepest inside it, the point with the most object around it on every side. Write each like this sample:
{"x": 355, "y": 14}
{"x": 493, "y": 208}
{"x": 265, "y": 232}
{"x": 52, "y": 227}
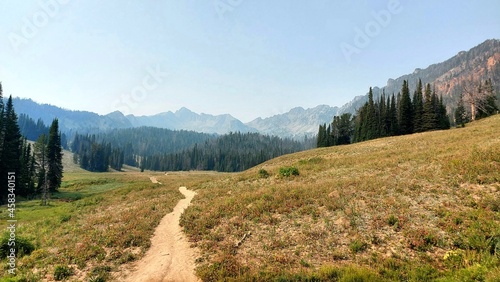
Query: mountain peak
{"x": 115, "y": 114}
{"x": 295, "y": 123}
{"x": 296, "y": 111}
{"x": 184, "y": 110}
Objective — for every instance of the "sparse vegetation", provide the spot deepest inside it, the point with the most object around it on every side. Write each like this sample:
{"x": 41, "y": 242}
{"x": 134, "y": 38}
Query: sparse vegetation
{"x": 357, "y": 246}
{"x": 62, "y": 272}
{"x": 263, "y": 173}
{"x": 387, "y": 210}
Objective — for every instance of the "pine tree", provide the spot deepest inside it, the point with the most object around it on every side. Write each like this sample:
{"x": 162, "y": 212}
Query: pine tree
{"x": 371, "y": 118}
{"x": 398, "y": 111}
{"x": 443, "y": 118}
{"x": 393, "y": 118}
{"x": 418, "y": 108}
{"x": 429, "y": 117}
{"x": 54, "y": 157}
{"x": 382, "y": 116}
{"x": 26, "y": 174}
{"x": 406, "y": 110}
{"x": 329, "y": 136}
{"x": 460, "y": 113}
{"x": 342, "y": 129}
{"x": 359, "y": 125}
{"x": 321, "y": 136}
{"x": 12, "y": 147}
{"x": 387, "y": 121}
{"x": 41, "y": 162}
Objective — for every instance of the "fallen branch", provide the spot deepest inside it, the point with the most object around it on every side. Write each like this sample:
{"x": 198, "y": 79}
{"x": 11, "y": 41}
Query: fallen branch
{"x": 243, "y": 239}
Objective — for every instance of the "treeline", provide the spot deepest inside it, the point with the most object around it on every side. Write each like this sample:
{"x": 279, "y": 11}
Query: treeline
{"x": 96, "y": 156}
{"x": 388, "y": 116}
{"x": 37, "y": 169}
{"x": 228, "y": 153}
{"x": 117, "y": 147}
{"x": 481, "y": 100}
{"x": 167, "y": 150}
{"x": 148, "y": 141}
{"x": 31, "y": 130}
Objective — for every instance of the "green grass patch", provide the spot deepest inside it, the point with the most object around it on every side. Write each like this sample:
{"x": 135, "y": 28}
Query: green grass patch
{"x": 96, "y": 222}
{"x": 289, "y": 171}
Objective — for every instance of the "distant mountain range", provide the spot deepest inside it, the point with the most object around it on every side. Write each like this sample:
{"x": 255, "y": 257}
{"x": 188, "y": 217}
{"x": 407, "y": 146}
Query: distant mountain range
{"x": 188, "y": 120}
{"x": 294, "y": 124}
{"x": 481, "y": 62}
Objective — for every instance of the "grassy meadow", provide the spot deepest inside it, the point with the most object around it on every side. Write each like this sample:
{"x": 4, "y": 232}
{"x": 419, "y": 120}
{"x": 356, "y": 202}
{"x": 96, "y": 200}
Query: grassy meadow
{"x": 422, "y": 207}
{"x": 97, "y": 222}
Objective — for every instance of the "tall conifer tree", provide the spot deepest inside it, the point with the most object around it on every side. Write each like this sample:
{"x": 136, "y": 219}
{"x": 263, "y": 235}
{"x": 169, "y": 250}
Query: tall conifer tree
{"x": 393, "y": 117}
{"x": 418, "y": 108}
{"x": 40, "y": 153}
{"x": 12, "y": 146}
{"x": 460, "y": 113}
{"x": 54, "y": 157}
{"x": 443, "y": 118}
{"x": 406, "y": 110}
{"x": 429, "y": 117}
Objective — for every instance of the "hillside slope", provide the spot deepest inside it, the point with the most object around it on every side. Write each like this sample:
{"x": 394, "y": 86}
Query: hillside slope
{"x": 410, "y": 208}
{"x": 70, "y": 121}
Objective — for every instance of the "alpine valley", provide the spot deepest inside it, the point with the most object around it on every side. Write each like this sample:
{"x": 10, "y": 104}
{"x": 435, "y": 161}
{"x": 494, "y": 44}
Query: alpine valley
{"x": 479, "y": 63}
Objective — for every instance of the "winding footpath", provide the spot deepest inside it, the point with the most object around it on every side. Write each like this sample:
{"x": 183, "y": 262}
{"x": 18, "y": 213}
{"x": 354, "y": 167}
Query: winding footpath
{"x": 170, "y": 258}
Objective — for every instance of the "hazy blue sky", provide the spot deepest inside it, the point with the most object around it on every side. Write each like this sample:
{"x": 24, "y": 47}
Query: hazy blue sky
{"x": 248, "y": 58}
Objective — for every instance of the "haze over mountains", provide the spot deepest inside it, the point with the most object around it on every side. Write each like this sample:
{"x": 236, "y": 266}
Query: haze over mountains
{"x": 479, "y": 63}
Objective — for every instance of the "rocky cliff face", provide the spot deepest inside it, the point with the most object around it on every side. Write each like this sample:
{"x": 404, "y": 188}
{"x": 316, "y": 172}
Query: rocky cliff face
{"x": 479, "y": 63}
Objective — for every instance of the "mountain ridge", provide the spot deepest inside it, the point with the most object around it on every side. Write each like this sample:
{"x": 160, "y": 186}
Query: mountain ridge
{"x": 479, "y": 63}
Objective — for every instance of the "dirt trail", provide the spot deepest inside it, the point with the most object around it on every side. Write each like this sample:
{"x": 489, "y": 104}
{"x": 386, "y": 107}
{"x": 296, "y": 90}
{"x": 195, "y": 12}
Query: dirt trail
{"x": 154, "y": 180}
{"x": 170, "y": 257}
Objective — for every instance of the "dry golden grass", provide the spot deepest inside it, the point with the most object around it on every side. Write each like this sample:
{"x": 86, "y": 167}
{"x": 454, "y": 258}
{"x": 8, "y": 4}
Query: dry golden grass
{"x": 404, "y": 201}
{"x": 422, "y": 207}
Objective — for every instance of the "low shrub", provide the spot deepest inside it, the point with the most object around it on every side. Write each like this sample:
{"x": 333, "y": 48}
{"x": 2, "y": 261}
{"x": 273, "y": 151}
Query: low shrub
{"x": 22, "y": 246}
{"x": 357, "y": 246}
{"x": 392, "y": 220}
{"x": 100, "y": 273}
{"x": 422, "y": 240}
{"x": 62, "y": 272}
{"x": 263, "y": 173}
{"x": 289, "y": 171}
